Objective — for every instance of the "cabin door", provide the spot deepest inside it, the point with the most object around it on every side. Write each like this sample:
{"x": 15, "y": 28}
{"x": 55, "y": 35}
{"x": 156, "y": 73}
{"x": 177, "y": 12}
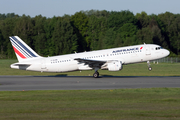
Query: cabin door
{"x": 148, "y": 50}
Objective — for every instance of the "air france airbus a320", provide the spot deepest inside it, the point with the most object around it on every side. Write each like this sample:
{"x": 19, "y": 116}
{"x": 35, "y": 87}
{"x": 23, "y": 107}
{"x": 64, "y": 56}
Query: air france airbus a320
{"x": 107, "y": 59}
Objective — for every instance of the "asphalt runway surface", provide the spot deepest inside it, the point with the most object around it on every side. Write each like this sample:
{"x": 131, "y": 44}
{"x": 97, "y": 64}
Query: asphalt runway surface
{"x": 20, "y": 83}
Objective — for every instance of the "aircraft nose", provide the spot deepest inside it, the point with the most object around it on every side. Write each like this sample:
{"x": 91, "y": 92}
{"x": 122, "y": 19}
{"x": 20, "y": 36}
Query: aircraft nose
{"x": 167, "y": 52}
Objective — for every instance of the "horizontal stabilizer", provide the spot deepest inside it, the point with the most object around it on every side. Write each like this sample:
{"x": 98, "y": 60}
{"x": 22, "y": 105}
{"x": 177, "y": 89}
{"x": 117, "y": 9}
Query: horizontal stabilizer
{"x": 18, "y": 64}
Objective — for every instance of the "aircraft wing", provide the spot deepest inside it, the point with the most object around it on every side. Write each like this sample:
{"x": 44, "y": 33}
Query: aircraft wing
{"x": 91, "y": 63}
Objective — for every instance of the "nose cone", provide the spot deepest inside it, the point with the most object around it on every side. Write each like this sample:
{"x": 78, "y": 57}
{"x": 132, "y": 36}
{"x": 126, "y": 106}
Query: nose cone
{"x": 166, "y": 53}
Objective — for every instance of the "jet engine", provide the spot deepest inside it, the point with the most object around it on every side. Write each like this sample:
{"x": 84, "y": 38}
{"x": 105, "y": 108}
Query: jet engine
{"x": 114, "y": 66}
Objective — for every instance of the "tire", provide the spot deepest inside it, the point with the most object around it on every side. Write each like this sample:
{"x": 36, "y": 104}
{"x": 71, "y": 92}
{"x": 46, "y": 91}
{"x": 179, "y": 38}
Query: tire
{"x": 96, "y": 75}
{"x": 150, "y": 68}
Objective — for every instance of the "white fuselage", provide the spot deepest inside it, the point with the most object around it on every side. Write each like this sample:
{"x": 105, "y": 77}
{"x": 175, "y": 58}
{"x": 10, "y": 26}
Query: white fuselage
{"x": 65, "y": 63}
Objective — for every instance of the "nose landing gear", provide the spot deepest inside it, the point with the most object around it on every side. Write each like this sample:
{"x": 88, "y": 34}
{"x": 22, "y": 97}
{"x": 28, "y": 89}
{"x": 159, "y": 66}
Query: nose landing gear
{"x": 149, "y": 66}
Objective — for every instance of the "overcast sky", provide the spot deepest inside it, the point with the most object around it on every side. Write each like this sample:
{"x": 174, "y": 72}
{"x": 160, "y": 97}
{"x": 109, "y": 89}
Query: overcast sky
{"x": 50, "y": 8}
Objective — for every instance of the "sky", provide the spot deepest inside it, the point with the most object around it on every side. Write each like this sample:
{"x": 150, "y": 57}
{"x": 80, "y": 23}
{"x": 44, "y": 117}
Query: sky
{"x": 50, "y": 8}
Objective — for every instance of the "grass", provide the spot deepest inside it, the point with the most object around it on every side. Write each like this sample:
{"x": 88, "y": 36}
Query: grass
{"x": 141, "y": 69}
{"x": 127, "y": 104}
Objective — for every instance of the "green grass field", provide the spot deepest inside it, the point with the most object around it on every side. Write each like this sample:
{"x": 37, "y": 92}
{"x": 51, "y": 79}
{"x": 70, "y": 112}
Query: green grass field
{"x": 141, "y": 69}
{"x": 125, "y": 104}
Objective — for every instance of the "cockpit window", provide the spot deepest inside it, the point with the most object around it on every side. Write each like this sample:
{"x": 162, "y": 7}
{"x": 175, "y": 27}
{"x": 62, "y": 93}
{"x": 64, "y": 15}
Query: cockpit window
{"x": 158, "y": 48}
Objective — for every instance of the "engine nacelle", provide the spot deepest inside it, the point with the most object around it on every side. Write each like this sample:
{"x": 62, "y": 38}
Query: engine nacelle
{"x": 115, "y": 66}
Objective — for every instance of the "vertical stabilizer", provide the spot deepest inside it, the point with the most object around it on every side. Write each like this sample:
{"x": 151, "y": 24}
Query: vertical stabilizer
{"x": 22, "y": 50}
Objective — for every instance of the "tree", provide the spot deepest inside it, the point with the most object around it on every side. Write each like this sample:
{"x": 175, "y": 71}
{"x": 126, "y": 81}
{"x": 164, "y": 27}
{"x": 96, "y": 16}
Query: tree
{"x": 24, "y": 29}
{"x": 144, "y": 36}
{"x": 175, "y": 28}
{"x": 64, "y": 37}
{"x": 40, "y": 40}
{"x": 80, "y": 23}
{"x": 49, "y": 28}
{"x": 171, "y": 30}
{"x": 127, "y": 32}
{"x": 89, "y": 30}
{"x": 97, "y": 27}
{"x": 109, "y": 38}
{"x": 1, "y": 46}
{"x": 117, "y": 19}
{"x": 6, "y": 28}
{"x": 143, "y": 19}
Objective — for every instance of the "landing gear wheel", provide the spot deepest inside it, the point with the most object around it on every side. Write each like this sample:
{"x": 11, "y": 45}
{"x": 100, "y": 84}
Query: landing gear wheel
{"x": 96, "y": 75}
{"x": 149, "y": 68}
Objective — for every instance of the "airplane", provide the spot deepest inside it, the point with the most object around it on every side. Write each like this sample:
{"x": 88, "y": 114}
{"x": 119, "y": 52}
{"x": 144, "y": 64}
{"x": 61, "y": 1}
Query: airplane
{"x": 107, "y": 59}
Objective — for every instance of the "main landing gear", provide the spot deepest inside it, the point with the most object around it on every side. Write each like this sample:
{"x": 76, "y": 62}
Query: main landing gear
{"x": 149, "y": 67}
{"x": 96, "y": 74}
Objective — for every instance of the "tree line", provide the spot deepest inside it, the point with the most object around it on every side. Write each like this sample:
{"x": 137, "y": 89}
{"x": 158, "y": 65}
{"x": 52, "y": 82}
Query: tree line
{"x": 89, "y": 30}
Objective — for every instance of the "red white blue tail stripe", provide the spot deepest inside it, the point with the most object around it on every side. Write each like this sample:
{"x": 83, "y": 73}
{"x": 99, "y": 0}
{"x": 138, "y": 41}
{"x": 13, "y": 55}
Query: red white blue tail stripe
{"x": 21, "y": 49}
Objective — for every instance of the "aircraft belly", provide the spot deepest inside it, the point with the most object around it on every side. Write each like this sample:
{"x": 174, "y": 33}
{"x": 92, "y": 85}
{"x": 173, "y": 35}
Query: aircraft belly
{"x": 34, "y": 67}
{"x": 61, "y": 67}
{"x": 68, "y": 67}
{"x": 134, "y": 58}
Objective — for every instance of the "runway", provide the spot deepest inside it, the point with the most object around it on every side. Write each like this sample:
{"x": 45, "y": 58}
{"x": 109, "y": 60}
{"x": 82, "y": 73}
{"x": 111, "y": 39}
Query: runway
{"x": 19, "y": 83}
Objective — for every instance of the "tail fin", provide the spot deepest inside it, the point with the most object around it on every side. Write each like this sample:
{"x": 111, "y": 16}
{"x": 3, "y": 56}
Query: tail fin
{"x": 22, "y": 50}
